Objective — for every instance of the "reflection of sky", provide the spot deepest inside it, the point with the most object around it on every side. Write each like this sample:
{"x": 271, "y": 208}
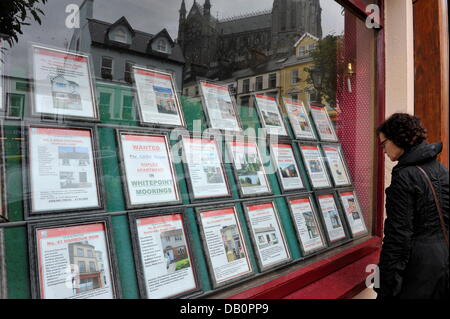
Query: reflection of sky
{"x": 145, "y": 15}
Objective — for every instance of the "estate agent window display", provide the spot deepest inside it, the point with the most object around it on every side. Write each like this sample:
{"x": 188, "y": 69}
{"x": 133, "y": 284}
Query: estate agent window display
{"x": 61, "y": 170}
{"x": 337, "y": 165}
{"x": 73, "y": 259}
{"x": 63, "y": 85}
{"x": 353, "y": 213}
{"x": 148, "y": 173}
{"x": 165, "y": 264}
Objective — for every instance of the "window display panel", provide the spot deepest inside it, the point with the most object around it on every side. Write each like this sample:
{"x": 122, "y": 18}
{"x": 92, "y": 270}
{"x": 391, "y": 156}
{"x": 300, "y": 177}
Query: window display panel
{"x": 224, "y": 245}
{"x": 63, "y": 158}
{"x": 203, "y": 163}
{"x": 287, "y": 168}
{"x": 166, "y": 267}
{"x": 157, "y": 97}
{"x": 336, "y": 164}
{"x": 219, "y": 107}
{"x": 299, "y": 119}
{"x": 148, "y": 173}
{"x": 353, "y": 213}
{"x": 73, "y": 261}
{"x": 249, "y": 169}
{"x": 315, "y": 166}
{"x": 307, "y": 225}
{"x": 63, "y": 84}
{"x": 332, "y": 218}
{"x": 270, "y": 116}
{"x": 267, "y": 234}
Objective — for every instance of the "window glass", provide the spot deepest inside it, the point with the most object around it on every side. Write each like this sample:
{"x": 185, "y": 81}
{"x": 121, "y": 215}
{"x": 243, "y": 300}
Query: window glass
{"x": 254, "y": 69}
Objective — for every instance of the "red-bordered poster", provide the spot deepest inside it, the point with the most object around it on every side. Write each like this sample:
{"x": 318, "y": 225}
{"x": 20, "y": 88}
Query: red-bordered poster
{"x": 249, "y": 168}
{"x": 323, "y": 124}
{"x": 149, "y": 171}
{"x": 299, "y": 118}
{"x": 307, "y": 225}
{"x": 286, "y": 165}
{"x": 333, "y": 221}
{"x": 219, "y": 106}
{"x": 224, "y": 244}
{"x": 206, "y": 174}
{"x": 62, "y": 169}
{"x": 74, "y": 262}
{"x": 270, "y": 115}
{"x": 267, "y": 235}
{"x": 165, "y": 256}
{"x": 63, "y": 84}
{"x": 337, "y": 165}
{"x": 315, "y": 166}
{"x": 353, "y": 213}
{"x": 157, "y": 97}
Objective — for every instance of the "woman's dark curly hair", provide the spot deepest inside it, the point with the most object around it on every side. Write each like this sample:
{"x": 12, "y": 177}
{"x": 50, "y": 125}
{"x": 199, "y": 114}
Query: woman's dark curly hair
{"x": 404, "y": 130}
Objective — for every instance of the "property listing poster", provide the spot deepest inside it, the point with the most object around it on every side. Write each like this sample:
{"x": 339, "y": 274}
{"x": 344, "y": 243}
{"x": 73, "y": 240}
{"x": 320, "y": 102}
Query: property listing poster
{"x": 225, "y": 244}
{"x": 74, "y": 262}
{"x": 323, "y": 124}
{"x": 283, "y": 155}
{"x": 307, "y": 225}
{"x": 221, "y": 112}
{"x": 249, "y": 168}
{"x": 336, "y": 163}
{"x": 353, "y": 213}
{"x": 205, "y": 168}
{"x": 315, "y": 166}
{"x": 62, "y": 171}
{"x": 148, "y": 167}
{"x": 331, "y": 216}
{"x": 165, "y": 256}
{"x": 299, "y": 119}
{"x": 157, "y": 97}
{"x": 62, "y": 83}
{"x": 269, "y": 239}
{"x": 270, "y": 113}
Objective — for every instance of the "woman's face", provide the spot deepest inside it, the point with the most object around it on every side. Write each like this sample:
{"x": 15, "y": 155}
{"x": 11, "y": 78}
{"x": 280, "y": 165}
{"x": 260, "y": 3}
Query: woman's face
{"x": 390, "y": 149}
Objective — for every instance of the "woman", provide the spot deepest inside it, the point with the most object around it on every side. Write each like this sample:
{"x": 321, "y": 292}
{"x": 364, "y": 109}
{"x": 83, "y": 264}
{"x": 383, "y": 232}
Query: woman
{"x": 414, "y": 258}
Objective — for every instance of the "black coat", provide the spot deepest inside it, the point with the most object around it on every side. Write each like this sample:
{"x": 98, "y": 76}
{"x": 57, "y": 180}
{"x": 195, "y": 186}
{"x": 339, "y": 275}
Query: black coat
{"x": 414, "y": 261}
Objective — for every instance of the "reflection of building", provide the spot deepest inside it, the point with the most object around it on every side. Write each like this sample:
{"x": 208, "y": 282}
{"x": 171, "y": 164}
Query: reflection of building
{"x": 114, "y": 49}
{"x": 90, "y": 266}
{"x": 266, "y": 236}
{"x": 214, "y": 47}
{"x": 294, "y": 71}
{"x": 173, "y": 245}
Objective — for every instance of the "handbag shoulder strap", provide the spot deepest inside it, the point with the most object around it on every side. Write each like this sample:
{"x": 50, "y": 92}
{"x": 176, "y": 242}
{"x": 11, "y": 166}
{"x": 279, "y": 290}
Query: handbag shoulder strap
{"x": 438, "y": 205}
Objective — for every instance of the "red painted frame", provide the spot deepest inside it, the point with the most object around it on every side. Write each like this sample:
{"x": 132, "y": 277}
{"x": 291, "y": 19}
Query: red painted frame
{"x": 342, "y": 275}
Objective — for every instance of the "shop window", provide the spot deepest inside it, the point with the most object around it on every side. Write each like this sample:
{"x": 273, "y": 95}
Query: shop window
{"x": 128, "y": 72}
{"x": 272, "y": 80}
{"x": 259, "y": 83}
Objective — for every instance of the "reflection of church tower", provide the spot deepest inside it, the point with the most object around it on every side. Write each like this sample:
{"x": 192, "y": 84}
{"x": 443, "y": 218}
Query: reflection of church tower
{"x": 182, "y": 25}
{"x": 293, "y": 18}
